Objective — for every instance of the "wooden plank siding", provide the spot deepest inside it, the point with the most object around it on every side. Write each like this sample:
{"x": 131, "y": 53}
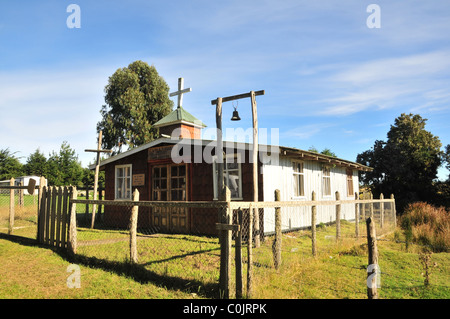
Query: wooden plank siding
{"x": 120, "y": 216}
{"x": 200, "y": 187}
{"x": 281, "y": 177}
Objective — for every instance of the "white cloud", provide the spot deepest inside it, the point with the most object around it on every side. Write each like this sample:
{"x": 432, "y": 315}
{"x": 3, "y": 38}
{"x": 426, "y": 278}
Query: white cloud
{"x": 420, "y": 79}
{"x": 43, "y": 108}
{"x": 305, "y": 131}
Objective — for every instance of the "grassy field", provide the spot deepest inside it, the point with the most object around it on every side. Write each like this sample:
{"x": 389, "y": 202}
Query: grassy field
{"x": 29, "y": 271}
{"x": 339, "y": 270}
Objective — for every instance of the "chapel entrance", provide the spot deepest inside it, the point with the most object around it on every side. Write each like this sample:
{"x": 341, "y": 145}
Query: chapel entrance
{"x": 169, "y": 184}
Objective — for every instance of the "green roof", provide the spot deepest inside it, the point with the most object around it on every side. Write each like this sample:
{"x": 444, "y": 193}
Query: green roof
{"x": 179, "y": 115}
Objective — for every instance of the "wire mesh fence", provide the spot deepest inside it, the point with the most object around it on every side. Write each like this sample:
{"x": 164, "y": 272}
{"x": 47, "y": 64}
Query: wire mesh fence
{"x": 178, "y": 241}
{"x": 171, "y": 242}
{"x": 18, "y": 211}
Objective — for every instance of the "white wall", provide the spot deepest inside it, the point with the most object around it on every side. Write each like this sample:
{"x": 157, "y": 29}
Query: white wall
{"x": 281, "y": 177}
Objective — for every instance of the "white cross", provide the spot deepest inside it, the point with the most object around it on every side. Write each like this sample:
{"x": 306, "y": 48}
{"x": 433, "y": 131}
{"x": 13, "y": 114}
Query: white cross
{"x": 180, "y": 91}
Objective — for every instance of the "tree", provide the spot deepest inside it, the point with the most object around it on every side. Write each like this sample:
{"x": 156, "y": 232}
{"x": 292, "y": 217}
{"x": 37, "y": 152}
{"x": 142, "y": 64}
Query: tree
{"x": 64, "y": 167}
{"x": 9, "y": 165}
{"x": 36, "y": 164}
{"x": 406, "y": 164}
{"x": 325, "y": 151}
{"x": 136, "y": 97}
{"x": 446, "y": 159}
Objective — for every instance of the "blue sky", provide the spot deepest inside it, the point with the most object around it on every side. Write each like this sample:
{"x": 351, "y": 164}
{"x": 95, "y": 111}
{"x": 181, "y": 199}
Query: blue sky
{"x": 330, "y": 81}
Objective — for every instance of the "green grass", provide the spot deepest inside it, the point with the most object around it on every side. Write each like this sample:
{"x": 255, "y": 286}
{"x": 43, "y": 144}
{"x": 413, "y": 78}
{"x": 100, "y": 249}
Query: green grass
{"x": 177, "y": 266}
{"x": 32, "y": 272}
{"x": 339, "y": 270}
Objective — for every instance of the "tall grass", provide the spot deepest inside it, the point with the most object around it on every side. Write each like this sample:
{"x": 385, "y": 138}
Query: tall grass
{"x": 427, "y": 225}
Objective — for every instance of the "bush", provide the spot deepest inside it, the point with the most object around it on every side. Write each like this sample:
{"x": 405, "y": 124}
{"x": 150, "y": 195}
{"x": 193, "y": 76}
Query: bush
{"x": 427, "y": 225}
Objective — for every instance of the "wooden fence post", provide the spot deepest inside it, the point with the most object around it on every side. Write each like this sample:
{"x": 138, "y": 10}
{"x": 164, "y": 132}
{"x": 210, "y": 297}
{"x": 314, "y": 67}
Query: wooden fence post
{"x": 72, "y": 243}
{"x": 381, "y": 211}
{"x": 11, "y": 207}
{"x": 42, "y": 183}
{"x": 313, "y": 225}
{"x": 338, "y": 217}
{"x": 373, "y": 275}
{"x": 356, "y": 217}
{"x": 276, "y": 248}
{"x": 225, "y": 246}
{"x": 393, "y": 212}
{"x": 133, "y": 229}
{"x": 250, "y": 253}
{"x": 363, "y": 206}
{"x": 86, "y": 213}
{"x": 238, "y": 251}
{"x": 21, "y": 201}
{"x": 371, "y": 205}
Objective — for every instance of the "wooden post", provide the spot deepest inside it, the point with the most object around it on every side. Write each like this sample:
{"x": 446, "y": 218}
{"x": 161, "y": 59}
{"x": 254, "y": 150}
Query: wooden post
{"x": 373, "y": 268}
{"x": 356, "y": 217}
{"x": 381, "y": 211}
{"x": 219, "y": 148}
{"x": 53, "y": 215}
{"x": 276, "y": 248}
{"x": 255, "y": 166}
{"x": 11, "y": 207}
{"x": 64, "y": 217}
{"x": 97, "y": 168}
{"x": 86, "y": 212}
{"x": 59, "y": 216}
{"x": 250, "y": 253}
{"x": 41, "y": 210}
{"x": 238, "y": 251}
{"x": 313, "y": 225}
{"x": 72, "y": 243}
{"x": 133, "y": 229}
{"x": 338, "y": 217}
{"x": 48, "y": 208}
{"x": 363, "y": 206}
{"x": 21, "y": 201}
{"x": 225, "y": 246}
{"x": 393, "y": 211}
{"x": 371, "y": 205}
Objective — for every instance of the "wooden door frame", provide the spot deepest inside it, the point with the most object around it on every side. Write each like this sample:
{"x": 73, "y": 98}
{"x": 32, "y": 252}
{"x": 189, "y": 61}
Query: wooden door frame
{"x": 188, "y": 188}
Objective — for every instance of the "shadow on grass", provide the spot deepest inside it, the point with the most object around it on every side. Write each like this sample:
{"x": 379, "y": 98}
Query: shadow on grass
{"x": 135, "y": 271}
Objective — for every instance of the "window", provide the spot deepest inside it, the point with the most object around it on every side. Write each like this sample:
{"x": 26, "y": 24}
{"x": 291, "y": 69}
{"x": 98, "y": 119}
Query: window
{"x": 123, "y": 182}
{"x": 350, "y": 182}
{"x": 299, "y": 181}
{"x": 326, "y": 181}
{"x": 231, "y": 175}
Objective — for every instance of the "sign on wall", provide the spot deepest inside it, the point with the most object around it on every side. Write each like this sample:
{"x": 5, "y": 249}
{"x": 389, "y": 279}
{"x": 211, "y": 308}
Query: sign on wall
{"x": 138, "y": 179}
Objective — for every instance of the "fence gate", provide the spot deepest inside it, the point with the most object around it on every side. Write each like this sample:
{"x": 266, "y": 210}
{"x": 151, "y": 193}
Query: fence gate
{"x": 54, "y": 216}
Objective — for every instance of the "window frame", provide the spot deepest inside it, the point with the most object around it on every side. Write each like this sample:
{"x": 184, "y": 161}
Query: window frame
{"x": 116, "y": 178}
{"x": 301, "y": 177}
{"x": 349, "y": 179}
{"x": 236, "y": 159}
{"x": 324, "y": 177}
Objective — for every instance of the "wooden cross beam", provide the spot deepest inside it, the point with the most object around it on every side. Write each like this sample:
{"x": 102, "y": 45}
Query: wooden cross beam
{"x": 97, "y": 168}
{"x": 237, "y": 97}
{"x": 180, "y": 92}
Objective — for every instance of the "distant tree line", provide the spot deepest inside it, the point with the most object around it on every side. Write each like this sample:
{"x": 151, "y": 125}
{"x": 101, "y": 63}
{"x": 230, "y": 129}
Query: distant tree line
{"x": 60, "y": 168}
{"x": 407, "y": 163}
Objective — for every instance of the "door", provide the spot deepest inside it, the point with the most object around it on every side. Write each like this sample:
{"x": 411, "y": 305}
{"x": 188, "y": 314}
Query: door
{"x": 169, "y": 184}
